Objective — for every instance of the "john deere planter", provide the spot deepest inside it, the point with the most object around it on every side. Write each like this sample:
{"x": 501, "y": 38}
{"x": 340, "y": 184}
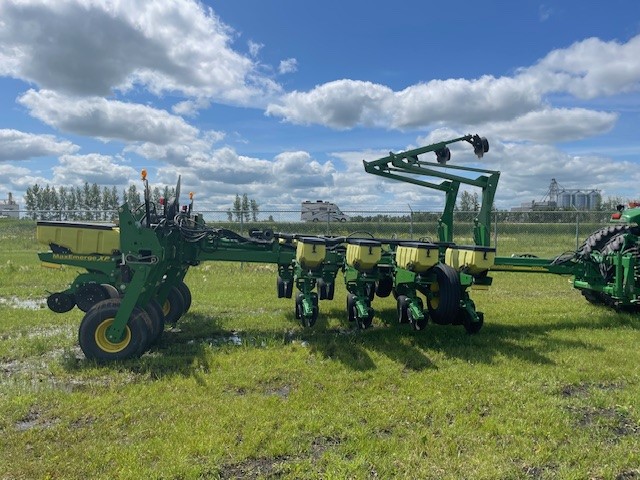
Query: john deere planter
{"x": 133, "y": 285}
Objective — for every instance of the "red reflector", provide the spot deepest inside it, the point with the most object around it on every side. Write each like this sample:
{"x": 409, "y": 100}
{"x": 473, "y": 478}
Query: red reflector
{"x": 616, "y": 216}
{"x": 161, "y": 200}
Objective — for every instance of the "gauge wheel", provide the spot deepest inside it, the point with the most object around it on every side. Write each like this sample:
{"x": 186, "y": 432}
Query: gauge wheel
{"x": 443, "y": 297}
{"x": 92, "y": 334}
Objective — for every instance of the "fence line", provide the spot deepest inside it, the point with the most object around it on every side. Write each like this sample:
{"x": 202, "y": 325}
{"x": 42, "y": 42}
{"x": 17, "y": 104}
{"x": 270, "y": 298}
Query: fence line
{"x": 511, "y": 231}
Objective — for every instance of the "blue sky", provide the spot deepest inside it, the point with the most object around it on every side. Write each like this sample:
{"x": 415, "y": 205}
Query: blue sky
{"x": 283, "y": 99}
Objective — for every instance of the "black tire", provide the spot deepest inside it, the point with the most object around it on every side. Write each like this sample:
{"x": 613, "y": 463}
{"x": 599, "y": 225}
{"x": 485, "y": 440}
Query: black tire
{"x": 60, "y": 302}
{"x": 443, "y": 300}
{"x": 298, "y": 305}
{"x": 469, "y": 325}
{"x": 599, "y": 239}
{"x": 173, "y": 306}
{"x": 326, "y": 290}
{"x": 615, "y": 245}
{"x": 402, "y": 309}
{"x": 94, "y": 325}
{"x": 364, "y": 323}
{"x": 280, "y": 287}
{"x": 370, "y": 290}
{"x": 322, "y": 289}
{"x": 384, "y": 286}
{"x": 186, "y": 296}
{"x": 351, "y": 305}
{"x": 156, "y": 315}
{"x": 90, "y": 294}
{"x": 593, "y": 297}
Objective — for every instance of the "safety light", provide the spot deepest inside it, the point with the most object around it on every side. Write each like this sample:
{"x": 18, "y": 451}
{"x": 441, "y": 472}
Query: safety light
{"x": 162, "y": 201}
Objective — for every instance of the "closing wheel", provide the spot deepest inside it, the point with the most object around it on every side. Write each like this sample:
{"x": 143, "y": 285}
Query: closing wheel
{"x": 60, "y": 302}
{"x": 364, "y": 322}
{"x": 370, "y": 290}
{"x": 417, "y": 324}
{"x": 298, "y": 305}
{"x": 89, "y": 294}
{"x": 443, "y": 299}
{"x": 156, "y": 315}
{"x": 173, "y": 306}
{"x": 94, "y": 327}
{"x": 280, "y": 287}
{"x": 351, "y": 305}
{"x": 402, "y": 305}
{"x": 186, "y": 295}
{"x": 469, "y": 325}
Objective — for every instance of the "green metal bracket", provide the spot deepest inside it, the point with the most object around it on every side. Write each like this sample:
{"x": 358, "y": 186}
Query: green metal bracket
{"x": 405, "y": 166}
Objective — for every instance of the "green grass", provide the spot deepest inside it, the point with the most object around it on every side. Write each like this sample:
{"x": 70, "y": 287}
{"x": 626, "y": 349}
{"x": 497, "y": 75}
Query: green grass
{"x": 548, "y": 389}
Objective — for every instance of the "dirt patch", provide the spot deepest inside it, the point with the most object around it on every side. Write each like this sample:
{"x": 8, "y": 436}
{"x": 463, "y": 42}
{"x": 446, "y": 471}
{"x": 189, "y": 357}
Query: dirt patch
{"x": 274, "y": 467}
{"x": 628, "y": 475}
{"x": 610, "y": 420}
{"x": 255, "y": 468}
{"x": 584, "y": 389}
{"x": 34, "y": 419}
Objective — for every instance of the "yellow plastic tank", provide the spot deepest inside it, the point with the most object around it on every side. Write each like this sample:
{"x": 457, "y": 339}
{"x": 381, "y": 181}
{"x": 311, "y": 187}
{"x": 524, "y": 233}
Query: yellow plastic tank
{"x": 310, "y": 252}
{"x": 475, "y": 258}
{"x": 417, "y": 256}
{"x": 363, "y": 254}
{"x": 79, "y": 238}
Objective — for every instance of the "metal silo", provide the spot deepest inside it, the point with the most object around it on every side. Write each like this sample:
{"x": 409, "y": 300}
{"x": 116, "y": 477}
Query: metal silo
{"x": 564, "y": 200}
{"x": 594, "y": 200}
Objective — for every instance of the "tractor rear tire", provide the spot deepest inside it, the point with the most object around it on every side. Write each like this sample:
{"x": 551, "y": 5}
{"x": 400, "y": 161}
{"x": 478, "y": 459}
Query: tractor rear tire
{"x": 93, "y": 329}
{"x": 443, "y": 300}
{"x": 615, "y": 245}
{"x": 599, "y": 239}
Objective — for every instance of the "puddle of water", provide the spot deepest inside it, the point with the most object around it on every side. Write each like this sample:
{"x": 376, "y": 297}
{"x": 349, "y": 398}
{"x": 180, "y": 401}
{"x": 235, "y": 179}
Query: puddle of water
{"x": 24, "y": 303}
{"x": 233, "y": 339}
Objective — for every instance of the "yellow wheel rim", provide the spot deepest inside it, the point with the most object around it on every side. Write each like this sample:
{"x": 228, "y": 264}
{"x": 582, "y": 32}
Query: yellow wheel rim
{"x": 103, "y": 342}
{"x": 434, "y": 300}
{"x": 166, "y": 307}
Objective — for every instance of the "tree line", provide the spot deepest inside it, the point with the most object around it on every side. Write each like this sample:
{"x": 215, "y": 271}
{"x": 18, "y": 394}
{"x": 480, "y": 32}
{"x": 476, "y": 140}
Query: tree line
{"x": 244, "y": 209}
{"x": 89, "y": 202}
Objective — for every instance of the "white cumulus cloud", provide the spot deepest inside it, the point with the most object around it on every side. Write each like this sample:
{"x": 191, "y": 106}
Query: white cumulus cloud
{"x": 17, "y": 145}
{"x": 94, "y": 47}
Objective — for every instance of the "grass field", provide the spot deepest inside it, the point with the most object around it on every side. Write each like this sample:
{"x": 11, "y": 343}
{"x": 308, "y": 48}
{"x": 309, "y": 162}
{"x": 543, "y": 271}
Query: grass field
{"x": 549, "y": 388}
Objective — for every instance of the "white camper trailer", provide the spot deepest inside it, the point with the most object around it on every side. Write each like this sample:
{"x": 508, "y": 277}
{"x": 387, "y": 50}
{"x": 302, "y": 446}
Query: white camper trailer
{"x": 320, "y": 211}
